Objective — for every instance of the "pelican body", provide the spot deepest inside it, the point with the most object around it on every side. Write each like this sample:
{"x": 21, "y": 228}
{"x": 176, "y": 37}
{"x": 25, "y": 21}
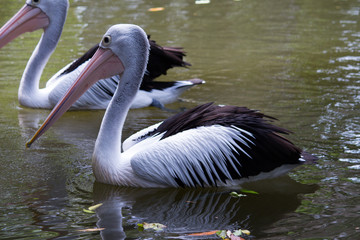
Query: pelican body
{"x": 50, "y": 16}
{"x": 206, "y": 146}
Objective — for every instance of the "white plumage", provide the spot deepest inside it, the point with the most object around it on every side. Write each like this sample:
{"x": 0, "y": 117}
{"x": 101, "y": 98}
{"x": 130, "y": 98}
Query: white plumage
{"x": 162, "y": 162}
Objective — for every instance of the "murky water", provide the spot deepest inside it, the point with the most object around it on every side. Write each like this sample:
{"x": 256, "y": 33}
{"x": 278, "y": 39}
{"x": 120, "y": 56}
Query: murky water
{"x": 297, "y": 60}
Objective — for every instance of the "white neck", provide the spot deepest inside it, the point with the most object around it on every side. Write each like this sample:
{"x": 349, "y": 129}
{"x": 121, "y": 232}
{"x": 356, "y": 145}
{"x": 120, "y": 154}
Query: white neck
{"x": 29, "y": 94}
{"x": 107, "y": 164}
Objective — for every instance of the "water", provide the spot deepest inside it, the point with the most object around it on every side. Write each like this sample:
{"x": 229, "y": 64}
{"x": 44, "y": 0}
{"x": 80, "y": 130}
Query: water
{"x": 296, "y": 60}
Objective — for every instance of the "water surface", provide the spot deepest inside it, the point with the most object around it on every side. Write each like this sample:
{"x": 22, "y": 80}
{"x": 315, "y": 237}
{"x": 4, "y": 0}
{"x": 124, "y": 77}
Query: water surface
{"x": 298, "y": 61}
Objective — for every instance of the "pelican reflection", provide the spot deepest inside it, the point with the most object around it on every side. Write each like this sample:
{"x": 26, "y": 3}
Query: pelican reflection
{"x": 186, "y": 211}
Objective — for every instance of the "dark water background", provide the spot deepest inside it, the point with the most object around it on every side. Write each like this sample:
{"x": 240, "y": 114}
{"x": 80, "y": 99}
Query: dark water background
{"x": 297, "y": 60}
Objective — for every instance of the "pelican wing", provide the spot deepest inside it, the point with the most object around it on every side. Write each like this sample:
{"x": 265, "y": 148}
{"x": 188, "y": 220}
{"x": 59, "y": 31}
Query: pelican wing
{"x": 211, "y": 145}
{"x": 161, "y": 59}
{"x": 204, "y": 156}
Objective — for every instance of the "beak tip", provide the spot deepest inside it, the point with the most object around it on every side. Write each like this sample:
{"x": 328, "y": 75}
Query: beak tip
{"x": 28, "y": 144}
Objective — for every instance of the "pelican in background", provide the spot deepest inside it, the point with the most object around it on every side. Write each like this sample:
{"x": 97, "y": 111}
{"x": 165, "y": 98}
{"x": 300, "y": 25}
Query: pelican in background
{"x": 205, "y": 146}
{"x": 50, "y": 15}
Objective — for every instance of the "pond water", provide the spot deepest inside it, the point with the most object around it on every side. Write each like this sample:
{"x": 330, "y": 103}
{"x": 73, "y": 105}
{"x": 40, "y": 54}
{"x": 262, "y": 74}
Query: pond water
{"x": 296, "y": 60}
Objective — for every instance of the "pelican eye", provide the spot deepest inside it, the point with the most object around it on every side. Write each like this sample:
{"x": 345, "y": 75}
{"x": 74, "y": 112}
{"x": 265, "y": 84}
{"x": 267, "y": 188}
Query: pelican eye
{"x": 106, "y": 41}
{"x": 35, "y": 2}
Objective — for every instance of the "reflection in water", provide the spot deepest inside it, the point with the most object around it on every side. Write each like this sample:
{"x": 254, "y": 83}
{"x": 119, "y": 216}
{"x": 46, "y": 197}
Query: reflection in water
{"x": 72, "y": 127}
{"x": 196, "y": 210}
{"x": 77, "y": 126}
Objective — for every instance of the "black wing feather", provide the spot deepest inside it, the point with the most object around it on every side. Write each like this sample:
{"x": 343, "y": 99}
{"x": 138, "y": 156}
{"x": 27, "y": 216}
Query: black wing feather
{"x": 87, "y": 56}
{"x": 162, "y": 59}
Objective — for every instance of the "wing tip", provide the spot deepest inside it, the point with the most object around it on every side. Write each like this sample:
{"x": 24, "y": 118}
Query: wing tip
{"x": 308, "y": 158}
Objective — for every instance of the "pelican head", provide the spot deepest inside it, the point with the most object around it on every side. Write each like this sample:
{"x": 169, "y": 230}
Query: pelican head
{"x": 122, "y": 39}
{"x": 34, "y": 15}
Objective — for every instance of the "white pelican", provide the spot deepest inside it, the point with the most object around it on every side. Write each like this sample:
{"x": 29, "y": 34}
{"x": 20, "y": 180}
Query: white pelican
{"x": 50, "y": 15}
{"x": 206, "y": 146}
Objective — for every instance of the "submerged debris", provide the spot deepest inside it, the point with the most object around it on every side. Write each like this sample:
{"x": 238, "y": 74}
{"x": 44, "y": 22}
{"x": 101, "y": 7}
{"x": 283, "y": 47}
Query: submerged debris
{"x": 153, "y": 226}
{"x": 239, "y": 234}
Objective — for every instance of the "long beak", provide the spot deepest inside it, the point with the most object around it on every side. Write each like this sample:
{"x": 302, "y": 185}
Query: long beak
{"x": 102, "y": 65}
{"x": 27, "y": 19}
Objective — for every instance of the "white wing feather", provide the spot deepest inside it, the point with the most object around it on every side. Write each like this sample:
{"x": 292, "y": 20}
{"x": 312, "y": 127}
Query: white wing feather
{"x": 203, "y": 150}
{"x": 138, "y": 136}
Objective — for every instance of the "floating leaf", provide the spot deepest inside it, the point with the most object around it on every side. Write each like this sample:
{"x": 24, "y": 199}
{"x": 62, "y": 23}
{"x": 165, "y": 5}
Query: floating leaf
{"x": 92, "y": 208}
{"x": 156, "y": 9}
{"x": 237, "y": 195}
{"x": 221, "y": 234}
{"x": 204, "y": 233}
{"x": 88, "y": 211}
{"x": 154, "y": 226}
{"x": 91, "y": 229}
{"x": 236, "y": 235}
{"x": 248, "y": 191}
{"x": 238, "y": 232}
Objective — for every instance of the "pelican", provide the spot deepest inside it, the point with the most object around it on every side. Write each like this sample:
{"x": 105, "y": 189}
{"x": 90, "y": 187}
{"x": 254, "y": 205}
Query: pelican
{"x": 208, "y": 145}
{"x": 50, "y": 15}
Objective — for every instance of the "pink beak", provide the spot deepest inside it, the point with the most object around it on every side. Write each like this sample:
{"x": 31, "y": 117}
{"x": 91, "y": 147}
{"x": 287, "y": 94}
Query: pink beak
{"x": 27, "y": 19}
{"x": 102, "y": 65}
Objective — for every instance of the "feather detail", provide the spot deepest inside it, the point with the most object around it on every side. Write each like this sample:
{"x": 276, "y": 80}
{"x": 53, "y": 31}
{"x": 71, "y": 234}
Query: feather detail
{"x": 211, "y": 145}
